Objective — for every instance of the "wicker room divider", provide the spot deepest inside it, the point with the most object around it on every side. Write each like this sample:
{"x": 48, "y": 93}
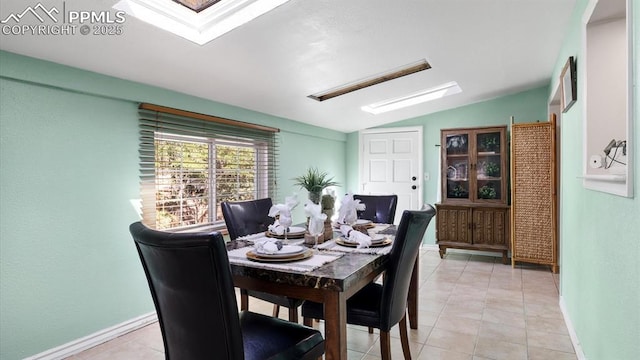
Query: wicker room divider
{"x": 534, "y": 218}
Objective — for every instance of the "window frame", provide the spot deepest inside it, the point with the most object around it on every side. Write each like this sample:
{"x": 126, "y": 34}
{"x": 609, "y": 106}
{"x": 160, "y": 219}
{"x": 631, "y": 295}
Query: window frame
{"x": 161, "y": 123}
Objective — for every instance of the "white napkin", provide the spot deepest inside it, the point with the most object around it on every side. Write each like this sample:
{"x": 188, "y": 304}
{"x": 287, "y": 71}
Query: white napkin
{"x": 355, "y": 236}
{"x": 276, "y": 228}
{"x": 348, "y": 213}
{"x": 316, "y": 217}
{"x": 283, "y": 212}
{"x": 268, "y": 246}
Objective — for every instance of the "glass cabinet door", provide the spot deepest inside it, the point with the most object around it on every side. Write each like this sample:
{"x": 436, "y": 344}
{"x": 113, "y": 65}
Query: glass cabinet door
{"x": 489, "y": 172}
{"x": 457, "y": 165}
{"x": 474, "y": 165}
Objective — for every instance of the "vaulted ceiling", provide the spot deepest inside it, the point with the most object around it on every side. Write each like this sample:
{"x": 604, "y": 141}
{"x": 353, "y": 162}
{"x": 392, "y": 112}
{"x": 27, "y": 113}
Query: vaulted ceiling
{"x": 272, "y": 64}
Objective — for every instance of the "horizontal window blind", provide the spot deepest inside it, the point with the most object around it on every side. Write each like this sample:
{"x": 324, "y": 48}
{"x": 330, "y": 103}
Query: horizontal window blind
{"x": 190, "y": 163}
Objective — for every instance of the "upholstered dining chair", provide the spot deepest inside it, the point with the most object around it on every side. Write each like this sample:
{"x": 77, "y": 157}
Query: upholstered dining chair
{"x": 382, "y": 306}
{"x": 378, "y": 208}
{"x": 192, "y": 289}
{"x": 251, "y": 217}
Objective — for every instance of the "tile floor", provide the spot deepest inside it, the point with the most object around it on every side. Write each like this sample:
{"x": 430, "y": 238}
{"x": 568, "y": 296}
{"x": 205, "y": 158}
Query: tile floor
{"x": 471, "y": 307}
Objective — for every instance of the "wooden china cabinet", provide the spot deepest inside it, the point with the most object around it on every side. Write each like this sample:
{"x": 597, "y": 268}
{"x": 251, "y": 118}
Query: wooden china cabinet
{"x": 474, "y": 212}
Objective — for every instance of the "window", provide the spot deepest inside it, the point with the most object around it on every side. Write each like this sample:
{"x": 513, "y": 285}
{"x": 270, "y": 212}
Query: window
{"x": 190, "y": 165}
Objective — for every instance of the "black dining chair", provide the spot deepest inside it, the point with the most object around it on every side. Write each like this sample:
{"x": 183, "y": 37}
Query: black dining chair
{"x": 382, "y": 306}
{"x": 251, "y": 217}
{"x": 192, "y": 289}
{"x": 378, "y": 208}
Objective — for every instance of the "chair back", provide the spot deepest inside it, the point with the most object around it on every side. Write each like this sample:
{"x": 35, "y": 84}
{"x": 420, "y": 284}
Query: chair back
{"x": 402, "y": 257}
{"x": 379, "y": 208}
{"x": 190, "y": 281}
{"x": 246, "y": 217}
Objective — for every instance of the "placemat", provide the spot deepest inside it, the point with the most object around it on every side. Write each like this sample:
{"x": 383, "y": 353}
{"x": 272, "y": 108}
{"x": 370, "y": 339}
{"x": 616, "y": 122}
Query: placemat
{"x": 252, "y": 237}
{"x": 387, "y": 229}
{"x": 333, "y": 246}
{"x": 239, "y": 257}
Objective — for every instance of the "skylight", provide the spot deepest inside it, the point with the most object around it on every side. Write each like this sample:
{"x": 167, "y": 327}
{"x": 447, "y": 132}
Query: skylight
{"x": 214, "y": 19}
{"x": 197, "y": 5}
{"x": 419, "y": 97}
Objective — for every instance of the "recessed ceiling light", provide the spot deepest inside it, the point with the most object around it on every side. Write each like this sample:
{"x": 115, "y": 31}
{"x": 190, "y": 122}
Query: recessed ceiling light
{"x": 373, "y": 80}
{"x": 433, "y": 93}
{"x": 200, "y": 27}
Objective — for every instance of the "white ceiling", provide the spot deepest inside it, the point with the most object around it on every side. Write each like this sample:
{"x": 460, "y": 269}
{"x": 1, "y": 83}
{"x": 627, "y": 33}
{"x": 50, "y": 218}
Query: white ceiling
{"x": 490, "y": 47}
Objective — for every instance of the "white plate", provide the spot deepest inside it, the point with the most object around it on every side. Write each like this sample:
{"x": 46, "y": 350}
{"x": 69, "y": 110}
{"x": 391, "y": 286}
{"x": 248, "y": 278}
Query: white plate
{"x": 375, "y": 239}
{"x": 307, "y": 254}
{"x": 358, "y": 222}
{"x": 285, "y": 252}
{"x": 363, "y": 222}
{"x": 296, "y": 230}
{"x": 343, "y": 242}
{"x": 293, "y": 233}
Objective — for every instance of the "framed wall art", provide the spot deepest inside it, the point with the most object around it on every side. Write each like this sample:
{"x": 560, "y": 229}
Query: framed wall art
{"x": 569, "y": 84}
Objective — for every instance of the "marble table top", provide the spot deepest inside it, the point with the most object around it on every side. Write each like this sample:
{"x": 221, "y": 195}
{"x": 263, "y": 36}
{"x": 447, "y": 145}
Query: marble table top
{"x": 335, "y": 276}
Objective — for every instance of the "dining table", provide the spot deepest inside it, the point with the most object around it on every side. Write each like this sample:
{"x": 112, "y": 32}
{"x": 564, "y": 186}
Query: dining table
{"x": 330, "y": 283}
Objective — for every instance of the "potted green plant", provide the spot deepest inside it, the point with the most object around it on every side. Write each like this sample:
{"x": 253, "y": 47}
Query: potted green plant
{"x": 491, "y": 143}
{"x": 458, "y": 192}
{"x": 492, "y": 169}
{"x": 314, "y": 182}
{"x": 487, "y": 192}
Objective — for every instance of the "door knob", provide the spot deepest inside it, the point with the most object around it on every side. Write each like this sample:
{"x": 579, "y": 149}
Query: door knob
{"x": 414, "y": 187}
{"x": 414, "y": 178}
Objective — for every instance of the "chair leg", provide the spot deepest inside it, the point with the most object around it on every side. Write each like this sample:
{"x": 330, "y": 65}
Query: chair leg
{"x": 244, "y": 300}
{"x": 404, "y": 339}
{"x": 276, "y": 310}
{"x": 385, "y": 345}
{"x": 293, "y": 314}
{"x": 381, "y": 278}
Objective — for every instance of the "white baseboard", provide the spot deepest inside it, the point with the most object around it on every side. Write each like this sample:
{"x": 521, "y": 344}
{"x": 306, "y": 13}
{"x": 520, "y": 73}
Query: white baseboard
{"x": 430, "y": 247}
{"x": 95, "y": 339}
{"x": 572, "y": 332}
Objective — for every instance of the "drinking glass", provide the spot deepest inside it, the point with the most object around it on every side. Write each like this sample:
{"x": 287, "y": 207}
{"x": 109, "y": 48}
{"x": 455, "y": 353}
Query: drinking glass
{"x": 286, "y": 221}
{"x": 316, "y": 228}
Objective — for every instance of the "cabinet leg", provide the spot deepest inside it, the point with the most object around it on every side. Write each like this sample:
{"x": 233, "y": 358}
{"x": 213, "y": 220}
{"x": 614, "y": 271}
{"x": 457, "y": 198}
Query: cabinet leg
{"x": 505, "y": 258}
{"x": 555, "y": 269}
{"x": 443, "y": 250}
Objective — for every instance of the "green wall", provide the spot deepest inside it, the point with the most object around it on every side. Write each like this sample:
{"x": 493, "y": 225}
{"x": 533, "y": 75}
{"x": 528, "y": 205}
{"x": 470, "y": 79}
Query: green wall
{"x": 525, "y": 106}
{"x": 599, "y": 233}
{"x": 69, "y": 168}
{"x": 306, "y": 151}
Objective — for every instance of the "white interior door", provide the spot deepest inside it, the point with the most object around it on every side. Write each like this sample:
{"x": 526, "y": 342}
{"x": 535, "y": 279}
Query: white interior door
{"x": 391, "y": 163}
